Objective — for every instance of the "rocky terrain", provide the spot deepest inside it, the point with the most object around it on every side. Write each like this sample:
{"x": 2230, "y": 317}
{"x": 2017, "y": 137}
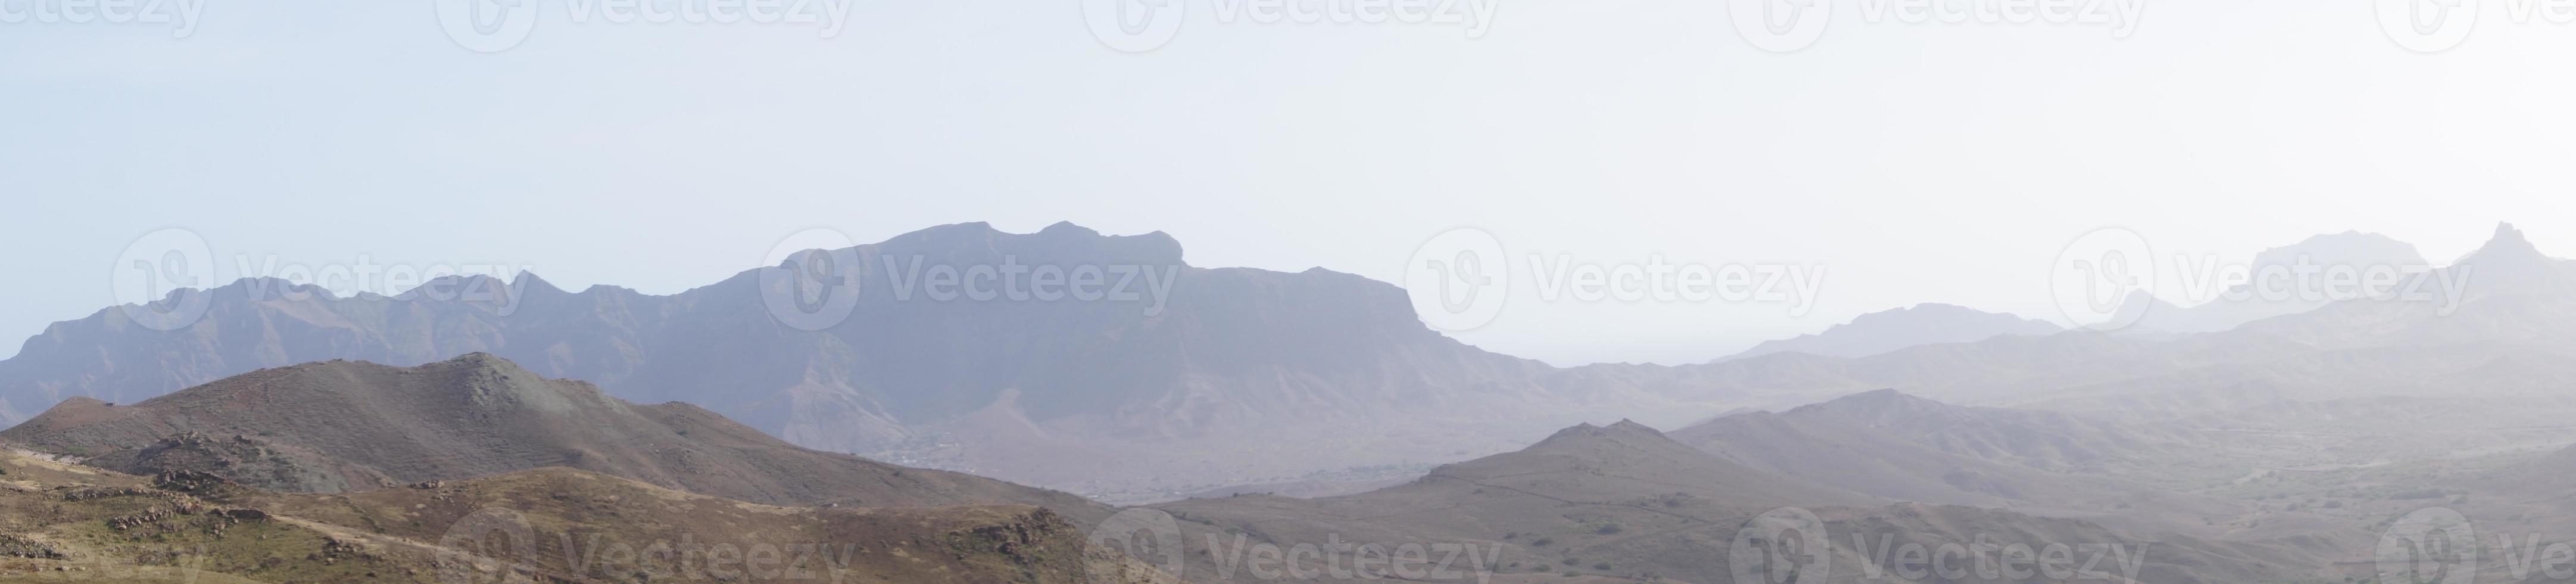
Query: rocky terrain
{"x": 345, "y": 426}
{"x": 1624, "y": 503}
{"x": 61, "y": 522}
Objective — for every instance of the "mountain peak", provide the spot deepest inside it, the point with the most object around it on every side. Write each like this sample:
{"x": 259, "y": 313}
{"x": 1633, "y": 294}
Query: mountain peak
{"x": 1068, "y": 228}
{"x": 2507, "y": 240}
{"x": 1626, "y": 425}
{"x": 2509, "y": 255}
{"x": 1623, "y": 429}
{"x": 479, "y": 360}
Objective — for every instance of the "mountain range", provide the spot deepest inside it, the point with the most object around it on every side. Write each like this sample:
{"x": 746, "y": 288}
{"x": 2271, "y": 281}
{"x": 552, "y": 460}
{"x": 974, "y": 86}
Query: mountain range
{"x": 1922, "y": 324}
{"x": 2273, "y": 451}
{"x": 1625, "y": 503}
{"x": 2274, "y": 283}
{"x": 346, "y": 426}
{"x": 1241, "y": 376}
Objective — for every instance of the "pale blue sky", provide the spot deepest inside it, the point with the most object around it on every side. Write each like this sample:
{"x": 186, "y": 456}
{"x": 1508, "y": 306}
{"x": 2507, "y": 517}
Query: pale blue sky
{"x": 1919, "y": 162}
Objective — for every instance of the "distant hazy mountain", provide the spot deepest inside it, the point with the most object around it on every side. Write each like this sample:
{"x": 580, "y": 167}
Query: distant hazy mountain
{"x": 1624, "y": 503}
{"x": 2253, "y": 301}
{"x": 1888, "y": 444}
{"x": 2509, "y": 291}
{"x": 2510, "y": 264}
{"x": 1923, "y": 324}
{"x": 346, "y": 426}
{"x": 1258, "y": 377}
{"x": 1234, "y": 376}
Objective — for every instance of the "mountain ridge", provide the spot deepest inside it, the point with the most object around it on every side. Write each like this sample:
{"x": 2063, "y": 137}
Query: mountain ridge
{"x": 1889, "y": 330}
{"x": 348, "y": 426}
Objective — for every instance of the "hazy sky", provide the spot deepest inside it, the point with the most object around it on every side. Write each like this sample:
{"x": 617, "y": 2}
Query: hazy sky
{"x": 1917, "y": 162}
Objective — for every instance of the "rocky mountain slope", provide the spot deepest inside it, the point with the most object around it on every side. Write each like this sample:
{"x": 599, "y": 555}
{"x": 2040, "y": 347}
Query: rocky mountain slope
{"x": 1896, "y": 446}
{"x": 1626, "y": 503}
{"x": 1256, "y": 377}
{"x": 345, "y": 426}
{"x": 62, "y": 522}
{"x": 1135, "y": 381}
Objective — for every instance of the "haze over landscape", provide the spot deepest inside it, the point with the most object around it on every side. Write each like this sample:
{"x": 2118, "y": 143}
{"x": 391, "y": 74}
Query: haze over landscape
{"x": 1200, "y": 292}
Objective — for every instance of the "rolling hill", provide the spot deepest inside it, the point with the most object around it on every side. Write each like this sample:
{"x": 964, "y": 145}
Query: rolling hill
{"x": 346, "y": 426}
{"x": 1626, "y": 503}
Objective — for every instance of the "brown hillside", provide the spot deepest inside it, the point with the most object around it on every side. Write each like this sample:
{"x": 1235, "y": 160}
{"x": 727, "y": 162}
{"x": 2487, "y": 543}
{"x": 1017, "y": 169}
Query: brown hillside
{"x": 350, "y": 426}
